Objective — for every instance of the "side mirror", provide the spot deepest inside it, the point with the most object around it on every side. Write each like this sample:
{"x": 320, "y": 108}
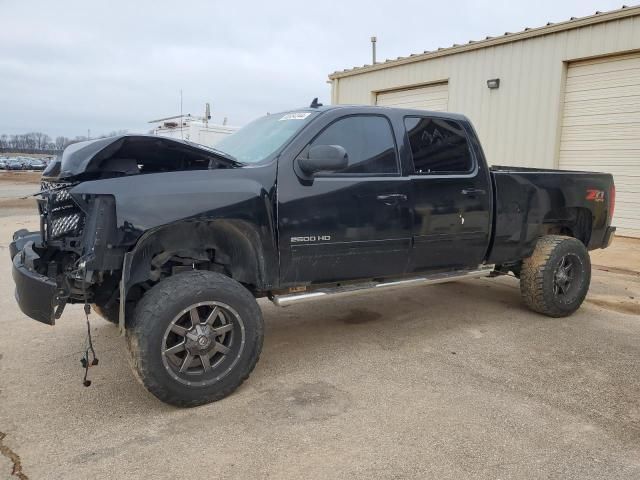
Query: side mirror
{"x": 324, "y": 158}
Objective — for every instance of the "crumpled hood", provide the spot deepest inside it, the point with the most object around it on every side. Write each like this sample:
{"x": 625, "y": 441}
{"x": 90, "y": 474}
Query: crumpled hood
{"x": 131, "y": 155}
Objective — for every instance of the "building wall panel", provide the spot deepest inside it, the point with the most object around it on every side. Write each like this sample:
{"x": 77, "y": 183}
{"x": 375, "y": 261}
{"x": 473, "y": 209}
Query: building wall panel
{"x": 519, "y": 123}
{"x": 601, "y": 128}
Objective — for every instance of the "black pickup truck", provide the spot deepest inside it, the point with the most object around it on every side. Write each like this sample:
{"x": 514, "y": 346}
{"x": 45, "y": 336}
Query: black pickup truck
{"x": 175, "y": 241}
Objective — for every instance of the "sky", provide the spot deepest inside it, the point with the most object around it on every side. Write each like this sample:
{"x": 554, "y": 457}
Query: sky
{"x": 67, "y": 67}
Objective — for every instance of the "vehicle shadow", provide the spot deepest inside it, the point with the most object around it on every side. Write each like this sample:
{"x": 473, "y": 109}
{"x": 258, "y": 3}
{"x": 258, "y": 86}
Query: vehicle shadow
{"x": 332, "y": 331}
{"x": 387, "y": 319}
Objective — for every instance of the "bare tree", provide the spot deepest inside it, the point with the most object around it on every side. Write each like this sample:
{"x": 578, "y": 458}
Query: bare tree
{"x": 114, "y": 133}
{"x": 39, "y": 141}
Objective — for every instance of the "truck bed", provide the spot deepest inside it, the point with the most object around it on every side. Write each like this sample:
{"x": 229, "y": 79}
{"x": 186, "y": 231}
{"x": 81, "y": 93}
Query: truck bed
{"x": 529, "y": 200}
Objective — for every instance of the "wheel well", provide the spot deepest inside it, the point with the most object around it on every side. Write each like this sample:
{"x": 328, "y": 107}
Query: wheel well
{"x": 230, "y": 247}
{"x": 573, "y": 222}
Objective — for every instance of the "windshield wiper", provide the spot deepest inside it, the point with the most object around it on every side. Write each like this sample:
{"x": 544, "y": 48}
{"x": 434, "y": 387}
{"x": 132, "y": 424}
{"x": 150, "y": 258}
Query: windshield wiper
{"x": 218, "y": 153}
{"x": 229, "y": 158}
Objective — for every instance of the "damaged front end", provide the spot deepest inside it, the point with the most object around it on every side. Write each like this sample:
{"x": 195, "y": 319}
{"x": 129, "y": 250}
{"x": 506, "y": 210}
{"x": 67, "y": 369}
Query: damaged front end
{"x": 77, "y": 255}
{"x": 60, "y": 263}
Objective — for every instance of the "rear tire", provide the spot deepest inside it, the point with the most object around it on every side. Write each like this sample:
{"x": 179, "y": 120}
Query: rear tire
{"x": 195, "y": 337}
{"x": 555, "y": 279}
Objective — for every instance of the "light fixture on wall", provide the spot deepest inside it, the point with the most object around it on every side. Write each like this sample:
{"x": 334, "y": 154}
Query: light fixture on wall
{"x": 493, "y": 83}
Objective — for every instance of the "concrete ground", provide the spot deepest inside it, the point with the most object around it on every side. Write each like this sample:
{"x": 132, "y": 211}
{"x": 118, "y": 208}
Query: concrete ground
{"x": 14, "y": 186}
{"x": 448, "y": 381}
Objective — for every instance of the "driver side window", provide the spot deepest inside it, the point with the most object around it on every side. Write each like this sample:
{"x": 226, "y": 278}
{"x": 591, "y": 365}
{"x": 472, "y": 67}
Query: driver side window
{"x": 369, "y": 142}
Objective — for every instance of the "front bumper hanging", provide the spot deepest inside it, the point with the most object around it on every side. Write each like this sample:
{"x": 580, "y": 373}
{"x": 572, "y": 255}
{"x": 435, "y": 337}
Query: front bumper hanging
{"x": 36, "y": 294}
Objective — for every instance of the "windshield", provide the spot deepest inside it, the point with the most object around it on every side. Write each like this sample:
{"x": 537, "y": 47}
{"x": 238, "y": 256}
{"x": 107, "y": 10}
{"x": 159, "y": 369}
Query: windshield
{"x": 262, "y": 137}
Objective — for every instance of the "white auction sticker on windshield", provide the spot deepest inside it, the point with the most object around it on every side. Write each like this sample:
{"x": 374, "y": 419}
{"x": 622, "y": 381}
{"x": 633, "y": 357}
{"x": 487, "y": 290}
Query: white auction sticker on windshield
{"x": 295, "y": 116}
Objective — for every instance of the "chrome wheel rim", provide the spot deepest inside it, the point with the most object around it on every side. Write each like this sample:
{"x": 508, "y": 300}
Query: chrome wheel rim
{"x": 203, "y": 343}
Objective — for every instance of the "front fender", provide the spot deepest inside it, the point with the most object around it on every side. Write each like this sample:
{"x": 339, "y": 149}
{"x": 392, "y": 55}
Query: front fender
{"x": 145, "y": 202}
{"x": 227, "y": 210}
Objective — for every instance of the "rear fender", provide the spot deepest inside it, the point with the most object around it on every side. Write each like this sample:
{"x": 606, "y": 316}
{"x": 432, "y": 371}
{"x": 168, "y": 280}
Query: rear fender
{"x": 575, "y": 222}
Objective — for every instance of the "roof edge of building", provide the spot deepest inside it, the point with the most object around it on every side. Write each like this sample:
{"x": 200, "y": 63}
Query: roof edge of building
{"x": 598, "y": 17}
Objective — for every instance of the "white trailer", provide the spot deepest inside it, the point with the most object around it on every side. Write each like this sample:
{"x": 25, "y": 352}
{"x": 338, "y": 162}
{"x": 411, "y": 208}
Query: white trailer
{"x": 194, "y": 129}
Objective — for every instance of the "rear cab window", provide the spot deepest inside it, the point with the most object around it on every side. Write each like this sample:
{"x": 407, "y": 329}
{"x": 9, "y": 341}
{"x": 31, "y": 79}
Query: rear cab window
{"x": 439, "y": 146}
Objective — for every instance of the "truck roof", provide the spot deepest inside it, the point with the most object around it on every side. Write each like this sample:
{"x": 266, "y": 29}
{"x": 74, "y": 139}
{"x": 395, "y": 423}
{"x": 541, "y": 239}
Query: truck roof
{"x": 380, "y": 109}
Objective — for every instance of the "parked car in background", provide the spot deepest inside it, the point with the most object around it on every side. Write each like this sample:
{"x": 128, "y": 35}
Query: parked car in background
{"x": 26, "y": 162}
{"x": 35, "y": 164}
{"x": 3, "y": 163}
{"x": 14, "y": 164}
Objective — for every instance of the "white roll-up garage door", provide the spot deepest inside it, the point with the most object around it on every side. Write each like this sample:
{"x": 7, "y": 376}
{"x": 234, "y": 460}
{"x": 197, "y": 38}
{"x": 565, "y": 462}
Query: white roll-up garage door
{"x": 601, "y": 129}
{"x": 431, "y": 97}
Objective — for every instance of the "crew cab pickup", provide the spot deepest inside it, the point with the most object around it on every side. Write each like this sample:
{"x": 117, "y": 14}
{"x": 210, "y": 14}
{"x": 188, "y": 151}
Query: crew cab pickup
{"x": 174, "y": 241}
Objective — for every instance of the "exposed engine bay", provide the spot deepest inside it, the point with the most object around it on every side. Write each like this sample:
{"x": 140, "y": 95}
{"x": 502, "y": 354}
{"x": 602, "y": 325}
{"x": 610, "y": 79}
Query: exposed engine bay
{"x": 133, "y": 155}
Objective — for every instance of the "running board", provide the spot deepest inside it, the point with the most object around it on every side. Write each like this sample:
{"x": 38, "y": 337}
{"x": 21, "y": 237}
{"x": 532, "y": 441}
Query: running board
{"x": 442, "y": 277}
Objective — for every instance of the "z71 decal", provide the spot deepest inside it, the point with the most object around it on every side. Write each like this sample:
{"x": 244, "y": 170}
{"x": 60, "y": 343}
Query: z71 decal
{"x": 595, "y": 195}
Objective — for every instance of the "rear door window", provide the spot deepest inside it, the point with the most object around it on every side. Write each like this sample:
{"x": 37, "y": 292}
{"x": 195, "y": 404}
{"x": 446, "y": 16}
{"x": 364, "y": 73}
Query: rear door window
{"x": 438, "y": 146}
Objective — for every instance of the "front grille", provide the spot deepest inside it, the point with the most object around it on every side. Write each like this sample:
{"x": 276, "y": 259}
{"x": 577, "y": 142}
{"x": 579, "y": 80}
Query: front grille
{"x": 62, "y": 217}
{"x": 60, "y": 190}
{"x": 65, "y": 224}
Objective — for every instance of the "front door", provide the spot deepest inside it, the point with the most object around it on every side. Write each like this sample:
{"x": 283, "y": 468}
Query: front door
{"x": 350, "y": 224}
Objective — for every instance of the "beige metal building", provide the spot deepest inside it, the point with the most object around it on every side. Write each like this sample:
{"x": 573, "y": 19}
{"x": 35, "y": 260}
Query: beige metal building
{"x": 568, "y": 96}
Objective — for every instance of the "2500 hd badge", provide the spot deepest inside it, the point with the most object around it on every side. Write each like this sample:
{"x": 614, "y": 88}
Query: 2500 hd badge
{"x": 311, "y": 238}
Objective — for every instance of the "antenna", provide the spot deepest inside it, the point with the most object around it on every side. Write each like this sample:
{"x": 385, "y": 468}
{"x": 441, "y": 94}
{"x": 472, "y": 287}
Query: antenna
{"x": 314, "y": 103}
{"x": 207, "y": 112}
{"x": 181, "y": 122}
{"x": 373, "y": 49}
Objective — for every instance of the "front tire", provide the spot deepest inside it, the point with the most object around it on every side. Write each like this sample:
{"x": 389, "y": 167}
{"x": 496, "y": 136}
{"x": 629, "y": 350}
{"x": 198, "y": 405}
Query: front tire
{"x": 555, "y": 279}
{"x": 195, "y": 337}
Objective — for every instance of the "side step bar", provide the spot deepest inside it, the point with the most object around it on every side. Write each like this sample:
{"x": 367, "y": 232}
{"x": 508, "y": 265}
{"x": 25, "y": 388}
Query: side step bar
{"x": 441, "y": 277}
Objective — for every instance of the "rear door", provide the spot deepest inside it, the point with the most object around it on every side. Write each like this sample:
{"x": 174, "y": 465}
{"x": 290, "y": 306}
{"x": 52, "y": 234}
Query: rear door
{"x": 350, "y": 224}
{"x": 451, "y": 195}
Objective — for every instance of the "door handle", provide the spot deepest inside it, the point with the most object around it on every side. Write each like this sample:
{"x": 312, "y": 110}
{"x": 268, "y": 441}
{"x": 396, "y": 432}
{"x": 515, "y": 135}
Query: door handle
{"x": 392, "y": 198}
{"x": 473, "y": 191}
